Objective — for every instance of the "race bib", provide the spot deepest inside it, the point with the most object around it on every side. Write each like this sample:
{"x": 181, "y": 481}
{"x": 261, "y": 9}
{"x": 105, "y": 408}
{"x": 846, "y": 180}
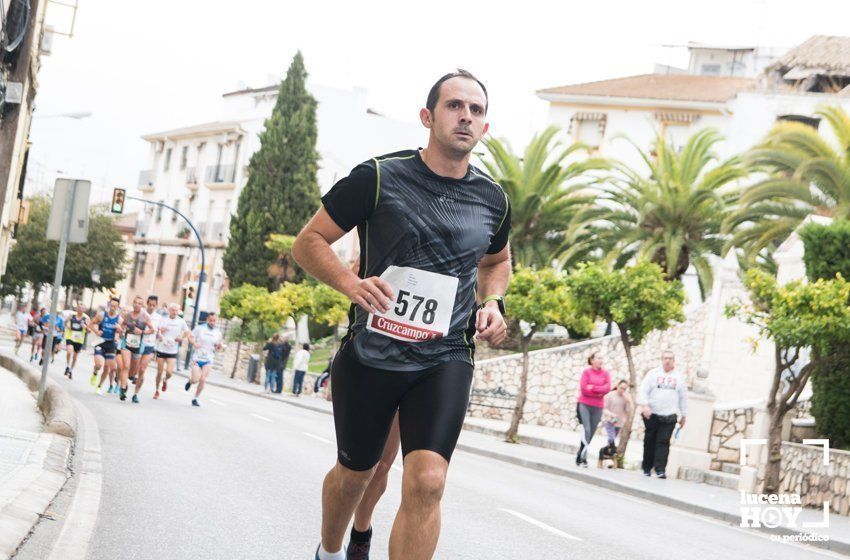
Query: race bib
{"x": 134, "y": 340}
{"x": 77, "y": 336}
{"x": 423, "y": 307}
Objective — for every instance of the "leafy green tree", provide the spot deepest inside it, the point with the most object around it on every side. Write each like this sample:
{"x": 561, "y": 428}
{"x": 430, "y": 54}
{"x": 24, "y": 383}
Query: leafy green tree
{"x": 638, "y": 298}
{"x": 538, "y": 298}
{"x": 32, "y": 260}
{"x": 329, "y": 307}
{"x": 795, "y": 317}
{"x": 803, "y": 173}
{"x": 282, "y": 192}
{"x": 551, "y": 208}
{"x": 672, "y": 212}
{"x": 240, "y": 303}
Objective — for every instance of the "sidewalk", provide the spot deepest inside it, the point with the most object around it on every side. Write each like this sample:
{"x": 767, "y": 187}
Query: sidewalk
{"x": 33, "y": 463}
{"x": 553, "y": 451}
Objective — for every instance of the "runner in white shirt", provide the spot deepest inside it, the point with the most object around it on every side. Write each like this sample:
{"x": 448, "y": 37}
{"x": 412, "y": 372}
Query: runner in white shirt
{"x": 171, "y": 331}
{"x": 149, "y": 345}
{"x": 22, "y": 322}
{"x": 206, "y": 340}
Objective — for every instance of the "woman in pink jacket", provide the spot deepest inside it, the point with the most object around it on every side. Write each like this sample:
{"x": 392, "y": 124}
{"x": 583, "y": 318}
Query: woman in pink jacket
{"x": 594, "y": 385}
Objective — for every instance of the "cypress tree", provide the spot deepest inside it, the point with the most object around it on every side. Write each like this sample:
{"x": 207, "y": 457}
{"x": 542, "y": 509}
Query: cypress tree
{"x": 282, "y": 192}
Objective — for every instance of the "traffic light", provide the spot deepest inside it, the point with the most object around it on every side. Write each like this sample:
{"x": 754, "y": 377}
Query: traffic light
{"x": 118, "y": 201}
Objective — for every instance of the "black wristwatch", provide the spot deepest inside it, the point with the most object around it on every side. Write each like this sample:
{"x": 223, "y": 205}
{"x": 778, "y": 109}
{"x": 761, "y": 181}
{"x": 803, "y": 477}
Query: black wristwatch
{"x": 499, "y": 299}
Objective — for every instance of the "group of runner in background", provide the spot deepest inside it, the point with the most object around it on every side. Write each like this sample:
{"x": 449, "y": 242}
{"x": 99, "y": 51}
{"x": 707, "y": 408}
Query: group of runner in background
{"x": 125, "y": 341}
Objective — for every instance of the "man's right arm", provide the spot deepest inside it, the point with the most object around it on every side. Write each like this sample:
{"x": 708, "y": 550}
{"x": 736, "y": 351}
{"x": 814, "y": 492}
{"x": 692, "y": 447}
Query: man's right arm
{"x": 312, "y": 251}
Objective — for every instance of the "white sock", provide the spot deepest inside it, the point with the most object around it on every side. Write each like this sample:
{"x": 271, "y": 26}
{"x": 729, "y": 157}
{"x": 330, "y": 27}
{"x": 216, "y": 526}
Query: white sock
{"x": 325, "y": 555}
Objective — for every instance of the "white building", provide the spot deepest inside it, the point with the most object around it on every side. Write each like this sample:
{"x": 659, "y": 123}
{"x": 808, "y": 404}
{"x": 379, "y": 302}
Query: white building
{"x": 201, "y": 169}
{"x": 734, "y": 90}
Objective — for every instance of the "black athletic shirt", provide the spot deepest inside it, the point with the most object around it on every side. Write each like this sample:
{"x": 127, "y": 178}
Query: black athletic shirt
{"x": 407, "y": 215}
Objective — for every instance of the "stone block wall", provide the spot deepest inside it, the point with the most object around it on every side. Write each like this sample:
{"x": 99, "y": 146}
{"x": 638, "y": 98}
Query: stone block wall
{"x": 804, "y": 473}
{"x": 728, "y": 426}
{"x": 554, "y": 373}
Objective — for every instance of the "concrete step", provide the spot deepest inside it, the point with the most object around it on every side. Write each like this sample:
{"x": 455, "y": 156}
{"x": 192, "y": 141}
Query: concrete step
{"x": 713, "y": 478}
{"x": 731, "y": 468}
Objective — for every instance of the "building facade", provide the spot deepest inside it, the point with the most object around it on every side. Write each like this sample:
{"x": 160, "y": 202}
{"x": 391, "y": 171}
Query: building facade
{"x": 200, "y": 170}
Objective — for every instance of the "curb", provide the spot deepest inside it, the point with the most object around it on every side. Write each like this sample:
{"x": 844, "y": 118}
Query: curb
{"x": 60, "y": 417}
{"x": 728, "y": 518}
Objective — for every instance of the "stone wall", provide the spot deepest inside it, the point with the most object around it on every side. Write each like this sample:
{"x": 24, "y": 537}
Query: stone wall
{"x": 804, "y": 473}
{"x": 728, "y": 426}
{"x": 554, "y": 372}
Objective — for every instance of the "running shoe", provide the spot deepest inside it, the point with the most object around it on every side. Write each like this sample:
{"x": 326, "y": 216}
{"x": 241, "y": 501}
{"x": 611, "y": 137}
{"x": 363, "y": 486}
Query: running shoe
{"x": 358, "y": 551}
{"x": 123, "y": 394}
{"x": 109, "y": 390}
{"x": 70, "y": 374}
{"x": 164, "y": 386}
{"x": 67, "y": 371}
{"x": 195, "y": 402}
{"x": 187, "y": 386}
{"x": 93, "y": 380}
{"x": 647, "y": 473}
{"x": 156, "y": 395}
{"x": 135, "y": 399}
{"x": 132, "y": 379}
{"x": 662, "y": 474}
{"x": 100, "y": 390}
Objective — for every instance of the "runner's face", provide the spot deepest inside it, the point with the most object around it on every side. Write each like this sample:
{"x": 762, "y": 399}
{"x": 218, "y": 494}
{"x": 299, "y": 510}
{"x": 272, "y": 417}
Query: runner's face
{"x": 151, "y": 306}
{"x": 137, "y": 305}
{"x": 172, "y": 312}
{"x": 458, "y": 120}
{"x": 211, "y": 321}
{"x": 113, "y": 306}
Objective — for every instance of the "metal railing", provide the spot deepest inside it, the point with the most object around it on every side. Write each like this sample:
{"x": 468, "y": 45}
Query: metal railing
{"x": 146, "y": 177}
{"x": 221, "y": 174}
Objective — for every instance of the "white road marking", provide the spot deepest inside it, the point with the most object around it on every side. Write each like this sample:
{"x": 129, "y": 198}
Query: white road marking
{"x": 219, "y": 403}
{"x": 261, "y": 417}
{"x": 323, "y": 440}
{"x": 78, "y": 529}
{"x": 540, "y": 524}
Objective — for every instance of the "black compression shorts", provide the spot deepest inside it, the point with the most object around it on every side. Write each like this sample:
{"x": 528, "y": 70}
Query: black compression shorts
{"x": 77, "y": 346}
{"x": 431, "y": 404}
{"x": 165, "y": 355}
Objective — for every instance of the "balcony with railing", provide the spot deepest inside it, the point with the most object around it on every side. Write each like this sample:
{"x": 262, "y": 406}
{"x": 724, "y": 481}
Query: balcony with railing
{"x": 221, "y": 176}
{"x": 146, "y": 180}
{"x": 191, "y": 179}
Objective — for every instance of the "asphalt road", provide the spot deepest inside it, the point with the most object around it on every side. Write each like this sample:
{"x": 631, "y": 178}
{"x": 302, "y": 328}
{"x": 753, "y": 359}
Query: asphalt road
{"x": 240, "y": 478}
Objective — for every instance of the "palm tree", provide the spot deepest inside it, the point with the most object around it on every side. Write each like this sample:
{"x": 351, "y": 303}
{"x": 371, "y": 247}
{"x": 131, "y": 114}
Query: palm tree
{"x": 548, "y": 187}
{"x": 671, "y": 214}
{"x": 805, "y": 174}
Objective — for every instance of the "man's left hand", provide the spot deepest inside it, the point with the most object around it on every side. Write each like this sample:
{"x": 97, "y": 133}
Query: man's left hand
{"x": 490, "y": 324}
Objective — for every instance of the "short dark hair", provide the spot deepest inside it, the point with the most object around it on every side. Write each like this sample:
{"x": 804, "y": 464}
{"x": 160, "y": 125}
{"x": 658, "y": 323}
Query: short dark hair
{"x": 590, "y": 358}
{"x": 434, "y": 94}
{"x": 115, "y": 299}
{"x": 153, "y": 297}
{"x": 305, "y": 346}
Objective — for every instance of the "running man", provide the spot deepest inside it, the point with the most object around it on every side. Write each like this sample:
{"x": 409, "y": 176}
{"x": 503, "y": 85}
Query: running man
{"x": 137, "y": 324}
{"x": 172, "y": 330}
{"x": 22, "y": 324}
{"x": 75, "y": 334}
{"x": 149, "y": 345}
{"x": 206, "y": 340}
{"x": 437, "y": 244}
{"x": 106, "y": 325}
{"x": 37, "y": 333}
{"x": 58, "y": 333}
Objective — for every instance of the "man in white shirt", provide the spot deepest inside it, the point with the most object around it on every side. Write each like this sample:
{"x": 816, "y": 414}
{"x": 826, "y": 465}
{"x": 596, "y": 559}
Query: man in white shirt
{"x": 170, "y": 332}
{"x": 300, "y": 365}
{"x": 22, "y": 323}
{"x": 663, "y": 391}
{"x": 207, "y": 340}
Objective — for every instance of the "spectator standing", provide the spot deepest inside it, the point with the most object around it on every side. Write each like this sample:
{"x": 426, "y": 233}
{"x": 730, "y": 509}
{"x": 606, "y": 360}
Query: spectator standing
{"x": 663, "y": 391}
{"x": 595, "y": 384}
{"x": 300, "y": 364}
{"x": 287, "y": 350}
{"x": 274, "y": 363}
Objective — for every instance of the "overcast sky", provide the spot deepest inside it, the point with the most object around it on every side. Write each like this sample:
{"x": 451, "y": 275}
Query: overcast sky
{"x": 143, "y": 66}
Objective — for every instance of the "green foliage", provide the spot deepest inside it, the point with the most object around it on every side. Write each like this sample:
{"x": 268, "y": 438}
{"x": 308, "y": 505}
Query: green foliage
{"x": 827, "y": 249}
{"x": 803, "y": 173}
{"x": 282, "y": 192}
{"x": 239, "y": 302}
{"x": 672, "y": 212}
{"x": 551, "y": 209}
{"x": 831, "y": 400}
{"x": 541, "y": 297}
{"x": 638, "y": 298}
{"x": 797, "y": 315}
{"x": 33, "y": 257}
{"x": 328, "y": 305}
